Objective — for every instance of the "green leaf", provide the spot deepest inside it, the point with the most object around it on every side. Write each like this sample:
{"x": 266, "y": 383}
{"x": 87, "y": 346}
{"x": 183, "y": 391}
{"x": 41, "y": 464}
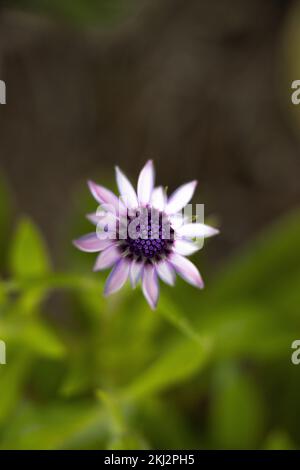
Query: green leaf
{"x": 29, "y": 260}
{"x": 122, "y": 436}
{"x": 247, "y": 329}
{"x": 182, "y": 360}
{"x": 264, "y": 264}
{"x": 79, "y": 377}
{"x": 163, "y": 421}
{"x": 173, "y": 314}
{"x": 279, "y": 440}
{"x": 127, "y": 442}
{"x": 236, "y": 410}
{"x": 55, "y": 426}
{"x": 39, "y": 338}
{"x": 33, "y": 335}
{"x": 28, "y": 256}
{"x": 53, "y": 281}
{"x": 12, "y": 377}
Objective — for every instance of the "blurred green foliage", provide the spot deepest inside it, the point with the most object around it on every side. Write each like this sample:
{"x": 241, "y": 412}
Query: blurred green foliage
{"x": 208, "y": 369}
{"x": 80, "y": 12}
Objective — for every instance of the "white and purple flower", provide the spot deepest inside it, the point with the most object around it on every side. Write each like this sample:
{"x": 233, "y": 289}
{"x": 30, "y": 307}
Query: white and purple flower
{"x": 143, "y": 236}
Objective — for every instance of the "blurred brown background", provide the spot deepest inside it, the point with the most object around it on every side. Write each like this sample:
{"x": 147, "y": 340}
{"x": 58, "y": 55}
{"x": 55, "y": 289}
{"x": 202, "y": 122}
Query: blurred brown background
{"x": 197, "y": 85}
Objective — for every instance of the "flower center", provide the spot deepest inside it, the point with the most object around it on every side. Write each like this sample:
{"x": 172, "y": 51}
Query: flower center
{"x": 149, "y": 235}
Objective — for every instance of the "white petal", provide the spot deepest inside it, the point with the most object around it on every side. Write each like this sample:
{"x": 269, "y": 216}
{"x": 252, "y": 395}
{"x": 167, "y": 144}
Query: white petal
{"x": 135, "y": 272}
{"x": 181, "y": 197}
{"x": 186, "y": 269}
{"x": 158, "y": 198}
{"x": 102, "y": 218}
{"x": 94, "y": 217}
{"x": 146, "y": 183}
{"x": 150, "y": 285}
{"x": 126, "y": 190}
{"x": 185, "y": 247}
{"x": 107, "y": 197}
{"x": 196, "y": 230}
{"x": 166, "y": 272}
{"x": 107, "y": 258}
{"x": 177, "y": 220}
{"x": 91, "y": 243}
{"x": 106, "y": 224}
{"x": 109, "y": 221}
{"x": 117, "y": 277}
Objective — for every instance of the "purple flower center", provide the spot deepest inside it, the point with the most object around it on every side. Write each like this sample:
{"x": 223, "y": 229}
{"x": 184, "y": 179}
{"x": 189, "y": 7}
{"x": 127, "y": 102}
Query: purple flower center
{"x": 149, "y": 235}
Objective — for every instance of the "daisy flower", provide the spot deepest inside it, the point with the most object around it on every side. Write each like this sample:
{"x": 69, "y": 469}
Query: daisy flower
{"x": 143, "y": 236}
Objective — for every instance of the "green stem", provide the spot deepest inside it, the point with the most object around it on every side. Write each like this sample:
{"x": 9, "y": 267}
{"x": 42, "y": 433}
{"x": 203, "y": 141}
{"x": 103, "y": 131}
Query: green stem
{"x": 54, "y": 281}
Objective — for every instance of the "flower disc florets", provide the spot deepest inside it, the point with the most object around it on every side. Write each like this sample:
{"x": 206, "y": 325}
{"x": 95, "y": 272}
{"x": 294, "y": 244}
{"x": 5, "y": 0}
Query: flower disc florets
{"x": 149, "y": 235}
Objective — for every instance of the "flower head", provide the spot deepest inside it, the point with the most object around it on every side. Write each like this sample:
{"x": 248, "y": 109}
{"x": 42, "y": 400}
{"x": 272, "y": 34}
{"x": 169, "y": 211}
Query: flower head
{"x": 143, "y": 235}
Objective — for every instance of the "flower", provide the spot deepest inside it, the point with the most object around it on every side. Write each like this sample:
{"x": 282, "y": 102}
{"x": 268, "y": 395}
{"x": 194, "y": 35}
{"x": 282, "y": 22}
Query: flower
{"x": 143, "y": 236}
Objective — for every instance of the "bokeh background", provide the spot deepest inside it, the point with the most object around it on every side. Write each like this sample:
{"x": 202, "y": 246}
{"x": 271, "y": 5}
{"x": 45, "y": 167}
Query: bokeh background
{"x": 203, "y": 88}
